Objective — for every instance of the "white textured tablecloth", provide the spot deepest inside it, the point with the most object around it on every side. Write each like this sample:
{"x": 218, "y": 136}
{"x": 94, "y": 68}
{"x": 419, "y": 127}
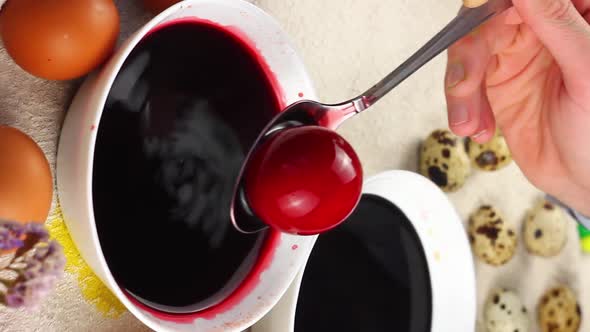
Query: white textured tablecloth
{"x": 347, "y": 45}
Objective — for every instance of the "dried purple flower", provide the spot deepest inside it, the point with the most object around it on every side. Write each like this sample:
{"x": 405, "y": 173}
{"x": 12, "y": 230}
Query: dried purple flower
{"x": 38, "y": 265}
{"x": 37, "y": 230}
{"x": 29, "y": 293}
{"x": 43, "y": 267}
{"x": 45, "y": 260}
{"x": 11, "y": 234}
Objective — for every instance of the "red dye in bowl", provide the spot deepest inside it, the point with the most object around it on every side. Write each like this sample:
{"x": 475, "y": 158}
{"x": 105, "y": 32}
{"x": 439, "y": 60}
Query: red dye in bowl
{"x": 183, "y": 111}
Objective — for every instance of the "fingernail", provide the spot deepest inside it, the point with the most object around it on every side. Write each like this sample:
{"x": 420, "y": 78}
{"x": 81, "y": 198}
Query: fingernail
{"x": 478, "y": 134}
{"x": 458, "y": 114}
{"x": 455, "y": 74}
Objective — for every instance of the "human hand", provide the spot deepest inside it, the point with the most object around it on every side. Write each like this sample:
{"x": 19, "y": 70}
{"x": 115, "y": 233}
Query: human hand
{"x": 528, "y": 70}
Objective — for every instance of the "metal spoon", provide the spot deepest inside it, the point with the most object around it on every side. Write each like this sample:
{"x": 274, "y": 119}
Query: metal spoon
{"x": 312, "y": 113}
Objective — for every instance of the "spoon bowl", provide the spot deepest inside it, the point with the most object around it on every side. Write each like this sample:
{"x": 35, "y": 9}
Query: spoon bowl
{"x": 300, "y": 114}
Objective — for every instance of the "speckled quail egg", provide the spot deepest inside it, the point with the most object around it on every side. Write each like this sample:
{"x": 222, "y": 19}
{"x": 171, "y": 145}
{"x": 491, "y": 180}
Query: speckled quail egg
{"x": 444, "y": 161}
{"x": 489, "y": 156}
{"x": 492, "y": 239}
{"x": 504, "y": 312}
{"x": 545, "y": 229}
{"x": 559, "y": 311}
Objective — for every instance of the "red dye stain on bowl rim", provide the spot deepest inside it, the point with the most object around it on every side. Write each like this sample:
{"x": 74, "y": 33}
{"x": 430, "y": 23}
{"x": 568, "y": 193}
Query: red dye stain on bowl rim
{"x": 273, "y": 238}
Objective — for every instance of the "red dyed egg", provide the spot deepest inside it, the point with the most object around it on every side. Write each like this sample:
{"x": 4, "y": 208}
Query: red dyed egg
{"x": 304, "y": 180}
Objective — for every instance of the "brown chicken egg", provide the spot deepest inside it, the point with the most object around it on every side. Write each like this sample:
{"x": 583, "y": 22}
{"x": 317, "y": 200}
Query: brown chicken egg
{"x": 158, "y": 6}
{"x": 59, "y": 39}
{"x": 26, "y": 186}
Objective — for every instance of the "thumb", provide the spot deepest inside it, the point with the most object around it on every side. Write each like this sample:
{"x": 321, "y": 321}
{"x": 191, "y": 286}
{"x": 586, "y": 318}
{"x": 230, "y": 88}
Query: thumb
{"x": 562, "y": 29}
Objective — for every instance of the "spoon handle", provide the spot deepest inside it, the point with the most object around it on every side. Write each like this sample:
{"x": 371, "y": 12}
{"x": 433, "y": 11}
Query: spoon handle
{"x": 467, "y": 20}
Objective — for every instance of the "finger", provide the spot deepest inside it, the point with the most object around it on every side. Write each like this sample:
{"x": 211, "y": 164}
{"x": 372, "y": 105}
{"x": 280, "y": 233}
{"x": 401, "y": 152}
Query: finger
{"x": 487, "y": 122}
{"x": 512, "y": 16}
{"x": 566, "y": 34}
{"x": 466, "y": 68}
{"x": 468, "y": 61}
{"x": 514, "y": 57}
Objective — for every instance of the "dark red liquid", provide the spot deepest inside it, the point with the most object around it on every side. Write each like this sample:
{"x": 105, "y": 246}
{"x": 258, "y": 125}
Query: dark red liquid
{"x": 187, "y": 105}
{"x": 304, "y": 180}
{"x": 370, "y": 274}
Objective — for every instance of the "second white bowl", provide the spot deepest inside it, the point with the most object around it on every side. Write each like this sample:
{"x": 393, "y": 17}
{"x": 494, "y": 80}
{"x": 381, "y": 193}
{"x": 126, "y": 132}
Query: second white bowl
{"x": 445, "y": 248}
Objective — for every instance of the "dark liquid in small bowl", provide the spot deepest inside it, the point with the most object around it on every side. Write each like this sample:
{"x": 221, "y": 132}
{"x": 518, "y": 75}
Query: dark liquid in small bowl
{"x": 187, "y": 104}
{"x": 368, "y": 275}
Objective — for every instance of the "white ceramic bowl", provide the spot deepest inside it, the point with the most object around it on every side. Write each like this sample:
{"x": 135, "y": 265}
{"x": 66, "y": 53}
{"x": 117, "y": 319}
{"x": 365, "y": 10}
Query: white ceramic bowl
{"x": 445, "y": 244}
{"x": 75, "y": 163}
